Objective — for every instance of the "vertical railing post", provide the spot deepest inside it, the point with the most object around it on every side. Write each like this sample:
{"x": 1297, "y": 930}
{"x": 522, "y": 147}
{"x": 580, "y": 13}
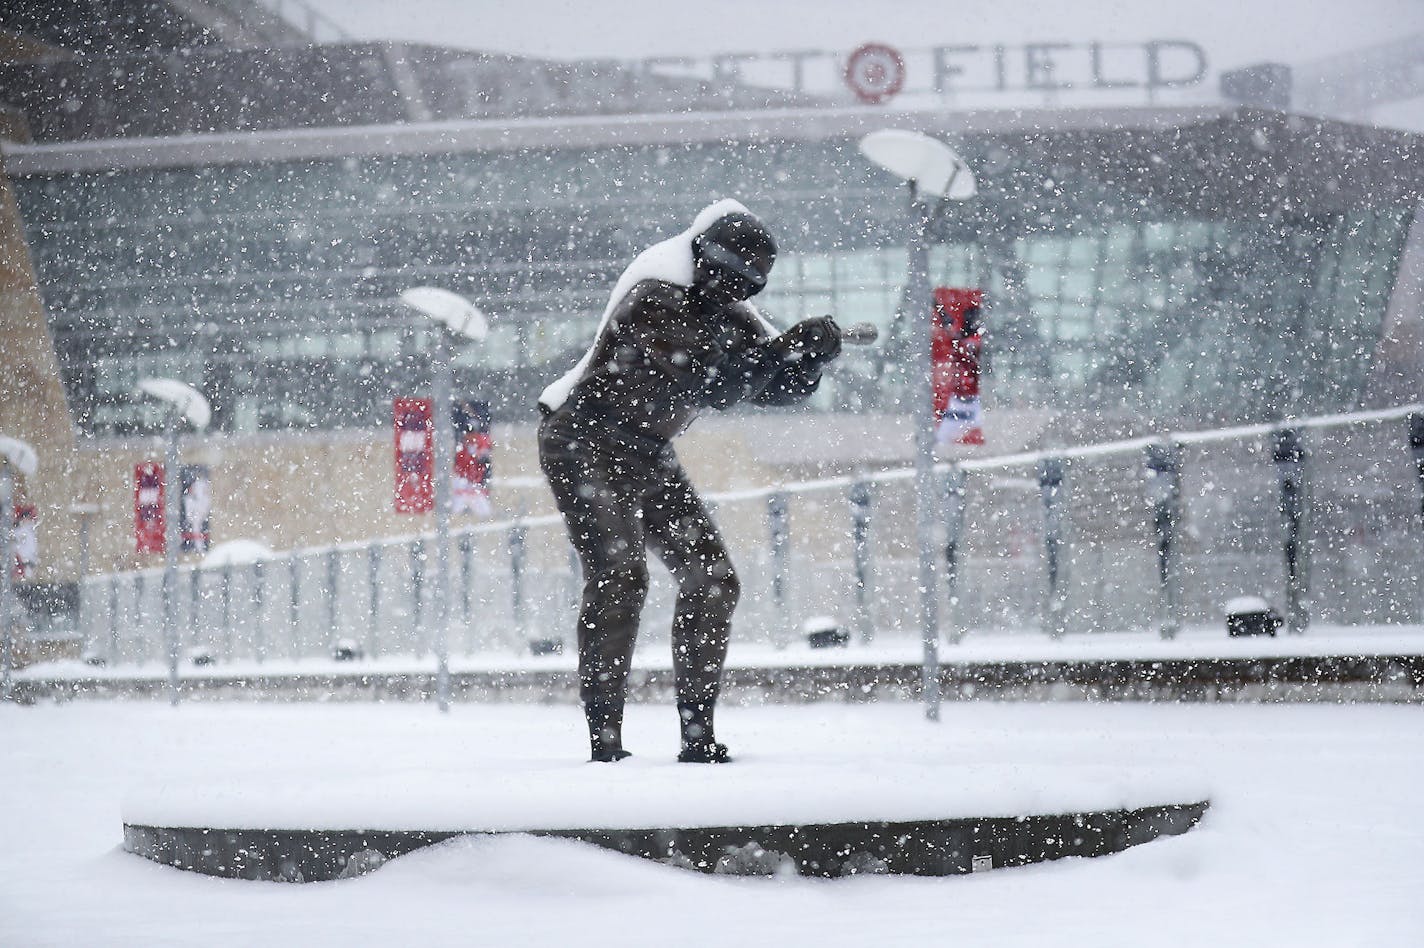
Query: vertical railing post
{"x": 1416, "y": 447}
{"x": 517, "y": 536}
{"x": 779, "y": 524}
{"x": 1290, "y": 457}
{"x": 195, "y": 605}
{"x": 573, "y": 601}
{"x": 113, "y": 620}
{"x": 467, "y": 582}
{"x": 333, "y": 611}
{"x": 467, "y": 579}
{"x": 956, "y": 496}
{"x": 1054, "y": 493}
{"x": 226, "y": 586}
{"x": 258, "y": 595}
{"x": 860, "y": 503}
{"x": 417, "y": 596}
{"x": 140, "y": 620}
{"x": 294, "y": 606}
{"x": 373, "y": 595}
{"x": 1164, "y": 494}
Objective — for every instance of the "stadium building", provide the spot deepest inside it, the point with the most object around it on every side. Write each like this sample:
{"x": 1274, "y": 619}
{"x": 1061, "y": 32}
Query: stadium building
{"x": 214, "y": 197}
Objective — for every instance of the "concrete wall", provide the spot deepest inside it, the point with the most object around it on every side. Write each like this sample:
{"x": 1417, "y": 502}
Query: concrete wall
{"x": 32, "y": 404}
{"x": 297, "y": 489}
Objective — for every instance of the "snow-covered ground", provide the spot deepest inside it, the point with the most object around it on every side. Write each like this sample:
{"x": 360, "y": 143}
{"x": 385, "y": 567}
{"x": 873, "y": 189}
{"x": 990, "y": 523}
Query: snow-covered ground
{"x": 1315, "y": 836}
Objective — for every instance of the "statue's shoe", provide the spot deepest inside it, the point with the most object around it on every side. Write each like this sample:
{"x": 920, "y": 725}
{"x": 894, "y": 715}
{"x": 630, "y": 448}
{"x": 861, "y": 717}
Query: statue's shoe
{"x": 709, "y": 753}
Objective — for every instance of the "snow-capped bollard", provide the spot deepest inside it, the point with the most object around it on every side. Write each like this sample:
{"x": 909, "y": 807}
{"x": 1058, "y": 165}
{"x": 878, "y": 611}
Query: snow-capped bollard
{"x": 1251, "y": 615}
{"x": 546, "y": 646}
{"x": 824, "y": 632}
{"x": 1289, "y": 455}
{"x": 347, "y": 650}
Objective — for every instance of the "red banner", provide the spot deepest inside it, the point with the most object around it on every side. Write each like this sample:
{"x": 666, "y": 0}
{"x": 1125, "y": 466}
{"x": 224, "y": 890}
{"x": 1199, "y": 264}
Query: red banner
{"x": 148, "y": 507}
{"x": 956, "y": 350}
{"x": 415, "y": 455}
{"x": 470, "y": 486}
{"x": 26, "y": 537}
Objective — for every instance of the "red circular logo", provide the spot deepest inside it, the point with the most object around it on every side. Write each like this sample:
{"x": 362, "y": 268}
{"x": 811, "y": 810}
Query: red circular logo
{"x": 875, "y": 72}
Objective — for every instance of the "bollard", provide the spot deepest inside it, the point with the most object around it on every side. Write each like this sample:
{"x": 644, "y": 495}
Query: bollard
{"x": 956, "y": 491}
{"x": 294, "y": 613}
{"x": 779, "y": 522}
{"x": 259, "y": 632}
{"x": 1164, "y": 495}
{"x": 373, "y": 587}
{"x": 517, "y": 535}
{"x": 1054, "y": 492}
{"x": 860, "y": 499}
{"x": 1289, "y": 455}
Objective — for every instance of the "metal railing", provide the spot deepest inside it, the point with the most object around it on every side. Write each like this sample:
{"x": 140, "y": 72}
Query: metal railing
{"x": 1149, "y": 534}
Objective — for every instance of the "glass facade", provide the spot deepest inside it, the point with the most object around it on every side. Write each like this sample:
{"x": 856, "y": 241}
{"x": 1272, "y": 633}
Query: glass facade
{"x": 272, "y": 286}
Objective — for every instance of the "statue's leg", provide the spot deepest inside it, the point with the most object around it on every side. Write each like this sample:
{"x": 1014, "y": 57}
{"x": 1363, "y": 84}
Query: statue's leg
{"x": 600, "y": 509}
{"x": 684, "y": 537}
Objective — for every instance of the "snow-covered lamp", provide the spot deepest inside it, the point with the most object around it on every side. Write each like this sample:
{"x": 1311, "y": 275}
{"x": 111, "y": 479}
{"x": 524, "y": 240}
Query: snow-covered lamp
{"x": 930, "y": 168}
{"x": 465, "y": 321}
{"x": 184, "y": 403}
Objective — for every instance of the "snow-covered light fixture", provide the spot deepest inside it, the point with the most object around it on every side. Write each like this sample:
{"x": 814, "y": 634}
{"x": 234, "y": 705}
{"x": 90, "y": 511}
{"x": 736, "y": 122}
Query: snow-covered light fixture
{"x": 927, "y": 163}
{"x": 19, "y": 454}
{"x": 184, "y": 403}
{"x": 930, "y": 169}
{"x": 457, "y": 313}
{"x": 187, "y": 401}
{"x": 465, "y": 321}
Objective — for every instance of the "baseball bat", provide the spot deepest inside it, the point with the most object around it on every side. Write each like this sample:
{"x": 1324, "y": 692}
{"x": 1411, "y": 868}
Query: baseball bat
{"x": 860, "y": 334}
